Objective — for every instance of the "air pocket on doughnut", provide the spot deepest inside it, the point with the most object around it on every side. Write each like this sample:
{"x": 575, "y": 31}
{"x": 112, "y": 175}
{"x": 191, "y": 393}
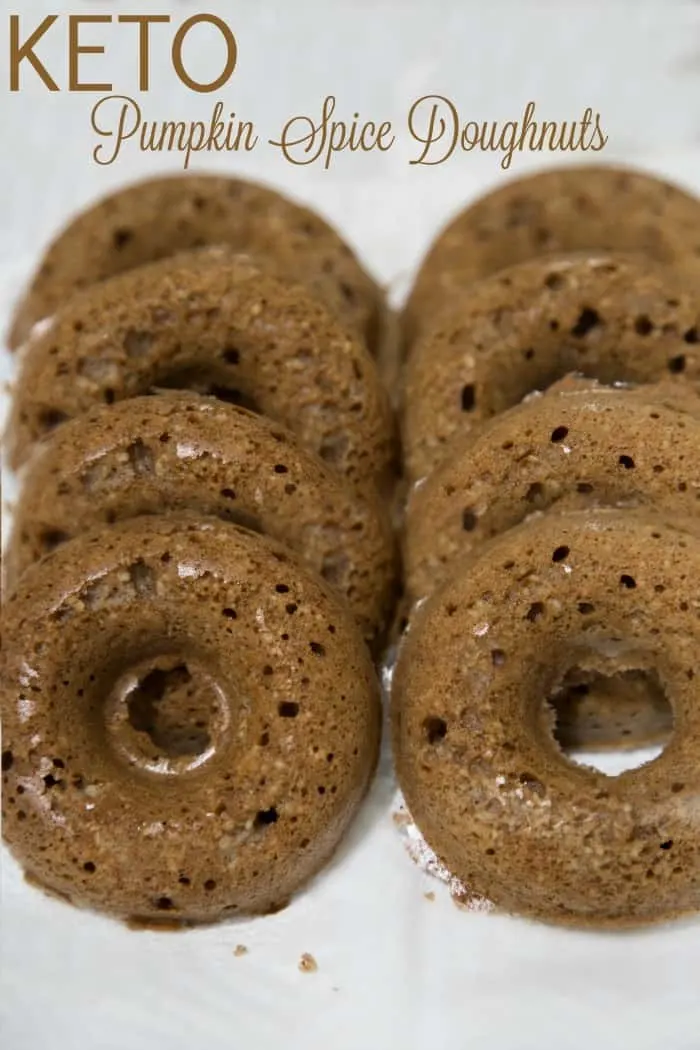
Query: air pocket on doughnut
{"x": 501, "y": 806}
{"x": 190, "y": 721}
{"x": 178, "y": 451}
{"x": 216, "y": 323}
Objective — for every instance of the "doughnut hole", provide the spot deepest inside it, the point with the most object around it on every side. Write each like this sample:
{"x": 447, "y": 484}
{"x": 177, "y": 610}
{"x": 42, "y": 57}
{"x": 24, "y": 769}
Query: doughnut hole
{"x": 166, "y": 715}
{"x": 211, "y": 382}
{"x": 611, "y": 720}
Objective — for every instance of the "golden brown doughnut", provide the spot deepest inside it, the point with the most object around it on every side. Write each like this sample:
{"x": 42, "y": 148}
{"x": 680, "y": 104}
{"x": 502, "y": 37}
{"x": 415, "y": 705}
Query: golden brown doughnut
{"x": 217, "y": 323}
{"x": 501, "y": 806}
{"x": 608, "y": 317}
{"x": 190, "y": 720}
{"x": 580, "y": 445}
{"x": 572, "y": 209}
{"x": 178, "y": 451}
{"x": 160, "y": 217}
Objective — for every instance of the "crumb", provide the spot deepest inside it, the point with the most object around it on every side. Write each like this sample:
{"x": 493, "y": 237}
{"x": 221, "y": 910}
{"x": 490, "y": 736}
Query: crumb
{"x": 422, "y": 855}
{"x": 239, "y": 950}
{"x": 336, "y": 989}
{"x": 430, "y": 896}
{"x": 465, "y": 900}
{"x": 307, "y": 963}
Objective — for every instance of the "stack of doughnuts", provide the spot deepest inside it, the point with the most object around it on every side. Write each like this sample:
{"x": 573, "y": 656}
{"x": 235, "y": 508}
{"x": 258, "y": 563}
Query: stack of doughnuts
{"x": 551, "y": 542}
{"x": 201, "y": 565}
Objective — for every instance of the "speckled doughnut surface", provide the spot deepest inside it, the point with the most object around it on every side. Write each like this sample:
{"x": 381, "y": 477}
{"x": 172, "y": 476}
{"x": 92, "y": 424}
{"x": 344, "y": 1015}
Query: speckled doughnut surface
{"x": 160, "y": 217}
{"x": 608, "y": 317}
{"x": 579, "y": 445}
{"x": 154, "y": 455}
{"x": 215, "y": 640}
{"x": 494, "y": 797}
{"x": 213, "y": 322}
{"x": 564, "y": 210}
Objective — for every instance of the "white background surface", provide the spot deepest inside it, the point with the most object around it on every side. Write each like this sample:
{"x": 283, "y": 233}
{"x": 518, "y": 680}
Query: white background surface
{"x": 395, "y": 969}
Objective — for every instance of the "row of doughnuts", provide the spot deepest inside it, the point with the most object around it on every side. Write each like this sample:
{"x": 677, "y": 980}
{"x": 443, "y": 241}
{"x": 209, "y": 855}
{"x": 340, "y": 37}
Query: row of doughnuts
{"x": 196, "y": 579}
{"x": 550, "y": 545}
{"x": 190, "y": 714}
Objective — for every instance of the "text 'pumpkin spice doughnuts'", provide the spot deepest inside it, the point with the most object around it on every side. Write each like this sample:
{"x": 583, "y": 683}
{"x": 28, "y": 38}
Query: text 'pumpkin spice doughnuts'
{"x": 608, "y": 317}
{"x": 107, "y": 798}
{"x": 496, "y": 800}
{"x": 217, "y": 323}
{"x": 177, "y": 451}
{"x": 577, "y": 209}
{"x": 160, "y": 217}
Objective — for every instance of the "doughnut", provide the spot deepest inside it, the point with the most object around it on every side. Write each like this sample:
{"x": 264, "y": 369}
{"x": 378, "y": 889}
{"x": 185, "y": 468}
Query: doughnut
{"x": 216, "y": 323}
{"x": 611, "y": 318}
{"x": 190, "y": 721}
{"x": 160, "y": 217}
{"x": 580, "y": 445}
{"x": 562, "y": 210}
{"x": 502, "y": 807}
{"x": 153, "y": 455}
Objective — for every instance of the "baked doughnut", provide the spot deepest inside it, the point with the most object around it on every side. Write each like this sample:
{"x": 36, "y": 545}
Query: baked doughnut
{"x": 501, "y": 806}
{"x": 579, "y": 445}
{"x": 190, "y": 720}
{"x": 573, "y": 209}
{"x": 608, "y": 317}
{"x": 153, "y": 455}
{"x": 213, "y": 322}
{"x": 157, "y": 218}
